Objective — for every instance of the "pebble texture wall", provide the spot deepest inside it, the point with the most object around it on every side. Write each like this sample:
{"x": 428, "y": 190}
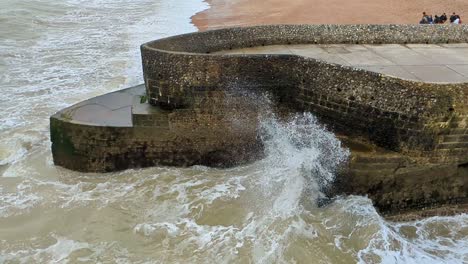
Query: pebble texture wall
{"x": 425, "y": 120}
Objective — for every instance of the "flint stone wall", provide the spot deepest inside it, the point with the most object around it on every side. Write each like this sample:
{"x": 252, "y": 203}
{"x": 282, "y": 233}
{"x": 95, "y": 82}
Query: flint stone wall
{"x": 181, "y": 137}
{"x": 401, "y": 115}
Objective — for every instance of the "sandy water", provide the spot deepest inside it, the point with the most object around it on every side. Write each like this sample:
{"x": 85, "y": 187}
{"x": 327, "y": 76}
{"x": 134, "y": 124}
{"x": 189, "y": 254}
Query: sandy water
{"x": 56, "y": 53}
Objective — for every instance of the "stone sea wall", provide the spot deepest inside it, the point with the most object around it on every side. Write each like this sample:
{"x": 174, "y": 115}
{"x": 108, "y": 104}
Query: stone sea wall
{"x": 149, "y": 136}
{"x": 406, "y": 116}
{"x": 204, "y": 110}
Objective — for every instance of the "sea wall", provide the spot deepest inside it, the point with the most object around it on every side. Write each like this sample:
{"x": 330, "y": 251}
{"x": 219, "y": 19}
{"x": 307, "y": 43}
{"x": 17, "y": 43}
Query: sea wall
{"x": 86, "y": 137}
{"x": 406, "y": 116}
{"x": 203, "y": 109}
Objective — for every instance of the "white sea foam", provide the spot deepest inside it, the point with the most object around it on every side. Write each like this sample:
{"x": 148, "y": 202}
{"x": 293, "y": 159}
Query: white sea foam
{"x": 55, "y": 53}
{"x": 55, "y": 253}
{"x": 290, "y": 173}
{"x": 81, "y": 49}
{"x": 19, "y": 201}
{"x": 274, "y": 194}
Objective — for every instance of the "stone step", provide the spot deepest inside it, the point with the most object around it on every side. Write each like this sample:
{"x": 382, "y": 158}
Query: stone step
{"x": 380, "y": 158}
{"x": 453, "y": 151}
{"x": 374, "y": 166}
{"x": 453, "y": 145}
{"x": 457, "y": 125}
{"x": 455, "y": 138}
{"x": 457, "y": 131}
{"x": 455, "y": 117}
{"x": 145, "y": 115}
{"x": 459, "y": 118}
{"x": 372, "y": 173}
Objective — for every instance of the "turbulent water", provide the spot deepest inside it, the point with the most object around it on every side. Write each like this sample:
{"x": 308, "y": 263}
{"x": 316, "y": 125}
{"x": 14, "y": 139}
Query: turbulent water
{"x": 56, "y": 53}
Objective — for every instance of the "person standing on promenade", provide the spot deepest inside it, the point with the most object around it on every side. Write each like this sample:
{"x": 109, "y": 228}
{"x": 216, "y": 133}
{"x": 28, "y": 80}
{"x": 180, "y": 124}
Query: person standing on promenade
{"x": 425, "y": 19}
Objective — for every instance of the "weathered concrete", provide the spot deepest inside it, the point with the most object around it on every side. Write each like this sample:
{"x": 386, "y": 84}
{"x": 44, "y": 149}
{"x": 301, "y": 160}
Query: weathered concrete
{"x": 204, "y": 110}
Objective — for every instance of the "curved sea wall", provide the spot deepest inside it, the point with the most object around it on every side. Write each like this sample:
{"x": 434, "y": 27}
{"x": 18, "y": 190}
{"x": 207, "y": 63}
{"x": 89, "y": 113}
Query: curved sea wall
{"x": 118, "y": 131}
{"x": 406, "y": 116}
{"x": 203, "y": 109}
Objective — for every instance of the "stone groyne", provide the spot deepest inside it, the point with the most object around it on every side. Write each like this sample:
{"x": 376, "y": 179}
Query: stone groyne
{"x": 203, "y": 110}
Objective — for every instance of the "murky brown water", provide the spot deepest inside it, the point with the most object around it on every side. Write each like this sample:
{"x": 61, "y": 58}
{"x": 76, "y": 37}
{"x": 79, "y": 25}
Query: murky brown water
{"x": 55, "y": 53}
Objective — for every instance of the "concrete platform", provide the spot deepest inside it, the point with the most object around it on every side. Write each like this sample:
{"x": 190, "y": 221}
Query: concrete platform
{"x": 441, "y": 63}
{"x": 112, "y": 109}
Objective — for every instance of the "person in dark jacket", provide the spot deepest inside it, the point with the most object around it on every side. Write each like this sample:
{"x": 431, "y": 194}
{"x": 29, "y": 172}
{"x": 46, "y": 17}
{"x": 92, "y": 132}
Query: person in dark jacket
{"x": 443, "y": 18}
{"x": 431, "y": 21}
{"x": 453, "y": 17}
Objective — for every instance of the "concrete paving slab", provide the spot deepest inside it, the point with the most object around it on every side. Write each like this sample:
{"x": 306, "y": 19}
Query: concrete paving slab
{"x": 137, "y": 90}
{"x": 122, "y": 116}
{"x": 331, "y": 45}
{"x": 113, "y": 109}
{"x": 393, "y": 70}
{"x": 424, "y": 46}
{"x": 274, "y": 49}
{"x": 441, "y": 55}
{"x": 114, "y": 100}
{"x": 356, "y": 48}
{"x": 331, "y": 58}
{"x": 364, "y": 56}
{"x": 90, "y": 113}
{"x": 455, "y": 45}
{"x": 382, "y": 46}
{"x": 461, "y": 69}
{"x": 310, "y": 52}
{"x": 435, "y": 73}
{"x": 234, "y": 52}
{"x": 421, "y": 62}
{"x": 336, "y": 50}
{"x": 306, "y": 49}
{"x": 401, "y": 55}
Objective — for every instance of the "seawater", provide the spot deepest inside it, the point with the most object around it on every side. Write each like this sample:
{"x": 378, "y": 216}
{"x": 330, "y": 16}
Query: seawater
{"x": 56, "y": 53}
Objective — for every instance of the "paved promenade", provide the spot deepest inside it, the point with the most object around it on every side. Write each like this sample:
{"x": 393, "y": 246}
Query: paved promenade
{"x": 423, "y": 62}
{"x": 430, "y": 63}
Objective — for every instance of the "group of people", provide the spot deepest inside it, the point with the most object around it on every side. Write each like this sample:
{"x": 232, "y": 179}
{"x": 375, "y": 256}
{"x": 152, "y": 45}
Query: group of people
{"x": 427, "y": 19}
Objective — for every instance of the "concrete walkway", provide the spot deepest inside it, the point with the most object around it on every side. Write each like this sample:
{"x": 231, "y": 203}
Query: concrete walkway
{"x": 423, "y": 62}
